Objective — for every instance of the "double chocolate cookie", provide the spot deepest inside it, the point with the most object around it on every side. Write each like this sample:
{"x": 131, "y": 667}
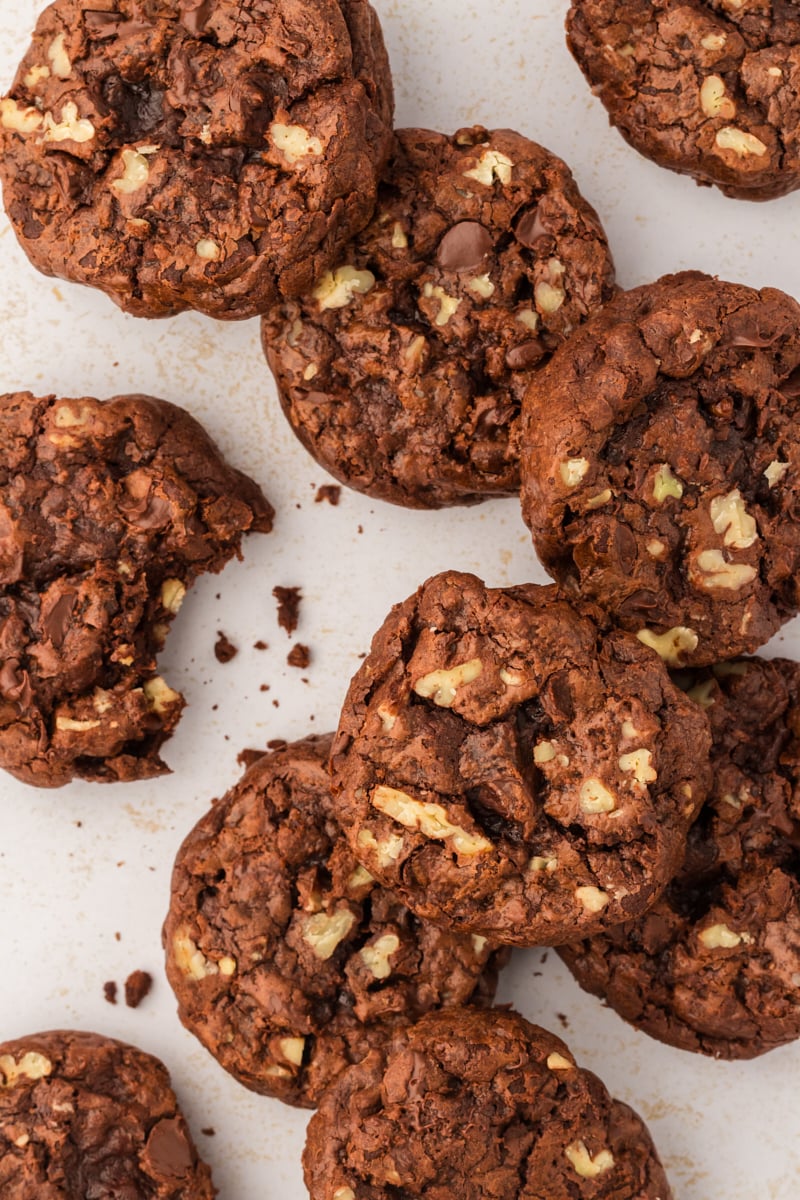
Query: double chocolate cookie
{"x": 108, "y": 513}
{"x": 196, "y": 155}
{"x": 479, "y": 1106}
{"x": 288, "y": 960}
{"x": 705, "y": 87}
{"x": 661, "y": 465}
{"x": 513, "y": 770}
{"x": 403, "y": 371}
{"x": 84, "y": 1116}
{"x": 715, "y": 965}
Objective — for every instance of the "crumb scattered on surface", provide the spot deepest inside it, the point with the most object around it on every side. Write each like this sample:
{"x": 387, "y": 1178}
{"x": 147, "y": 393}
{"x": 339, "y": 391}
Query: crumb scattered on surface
{"x": 299, "y": 656}
{"x": 224, "y": 649}
{"x": 361, "y": 529}
{"x": 137, "y": 986}
{"x": 563, "y": 1019}
{"x": 110, "y": 990}
{"x": 330, "y": 492}
{"x": 276, "y": 703}
{"x": 260, "y": 645}
{"x": 544, "y": 957}
{"x": 209, "y": 1131}
{"x": 118, "y": 936}
{"x": 264, "y": 687}
{"x": 288, "y": 607}
{"x": 245, "y": 758}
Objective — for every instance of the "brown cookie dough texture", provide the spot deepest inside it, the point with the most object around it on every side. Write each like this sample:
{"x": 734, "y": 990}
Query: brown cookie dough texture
{"x": 479, "y": 1106}
{"x": 661, "y": 465}
{"x": 510, "y": 769}
{"x": 715, "y": 965}
{"x": 108, "y": 513}
{"x": 215, "y": 156}
{"x": 709, "y": 89}
{"x": 84, "y": 1116}
{"x": 402, "y": 372}
{"x": 289, "y": 962}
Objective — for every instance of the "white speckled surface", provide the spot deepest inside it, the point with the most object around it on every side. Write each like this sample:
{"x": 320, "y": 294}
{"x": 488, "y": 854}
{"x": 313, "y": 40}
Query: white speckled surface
{"x": 83, "y": 864}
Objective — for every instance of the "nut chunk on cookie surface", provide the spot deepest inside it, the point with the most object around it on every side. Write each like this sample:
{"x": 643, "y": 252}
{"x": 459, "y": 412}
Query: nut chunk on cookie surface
{"x": 475, "y": 1105}
{"x": 714, "y": 966}
{"x": 82, "y": 1115}
{"x": 404, "y": 370}
{"x": 108, "y": 513}
{"x": 289, "y": 961}
{"x": 660, "y": 465}
{"x": 194, "y": 155}
{"x": 511, "y": 768}
{"x": 708, "y": 88}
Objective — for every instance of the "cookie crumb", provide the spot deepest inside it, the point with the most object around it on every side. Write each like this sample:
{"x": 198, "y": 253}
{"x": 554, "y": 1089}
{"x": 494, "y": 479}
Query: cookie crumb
{"x": 137, "y": 986}
{"x": 245, "y": 758}
{"x": 299, "y": 656}
{"x": 209, "y": 1132}
{"x": 264, "y": 687}
{"x": 288, "y": 607}
{"x": 330, "y": 492}
{"x": 563, "y": 1019}
{"x": 260, "y": 645}
{"x": 110, "y": 992}
{"x": 224, "y": 649}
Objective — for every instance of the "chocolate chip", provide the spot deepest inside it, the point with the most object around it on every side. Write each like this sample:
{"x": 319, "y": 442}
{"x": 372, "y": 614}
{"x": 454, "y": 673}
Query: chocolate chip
{"x": 530, "y": 228}
{"x": 168, "y": 1148}
{"x": 527, "y": 354}
{"x": 464, "y": 247}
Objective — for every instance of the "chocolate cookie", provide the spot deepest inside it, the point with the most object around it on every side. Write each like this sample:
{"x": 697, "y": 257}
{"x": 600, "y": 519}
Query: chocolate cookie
{"x": 715, "y": 965}
{"x": 661, "y": 465}
{"x": 705, "y": 87}
{"x": 479, "y": 1106}
{"x": 403, "y": 371}
{"x": 84, "y": 1116}
{"x": 108, "y": 513}
{"x": 510, "y": 768}
{"x": 288, "y": 960}
{"x": 214, "y": 156}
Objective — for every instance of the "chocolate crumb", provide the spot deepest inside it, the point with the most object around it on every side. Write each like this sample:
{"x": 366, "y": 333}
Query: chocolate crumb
{"x": 118, "y": 936}
{"x": 209, "y": 1132}
{"x": 544, "y": 957}
{"x": 276, "y": 703}
{"x": 299, "y": 656}
{"x": 259, "y": 645}
{"x": 288, "y": 607}
{"x": 110, "y": 991}
{"x": 224, "y": 649}
{"x": 329, "y": 492}
{"x": 264, "y": 687}
{"x": 245, "y": 758}
{"x": 137, "y": 986}
{"x": 563, "y": 1019}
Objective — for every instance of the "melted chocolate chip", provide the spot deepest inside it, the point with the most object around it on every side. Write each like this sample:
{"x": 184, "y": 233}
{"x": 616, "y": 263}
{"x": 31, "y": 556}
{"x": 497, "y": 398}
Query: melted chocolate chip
{"x": 168, "y": 1149}
{"x": 464, "y": 247}
{"x": 530, "y": 229}
{"x": 56, "y": 621}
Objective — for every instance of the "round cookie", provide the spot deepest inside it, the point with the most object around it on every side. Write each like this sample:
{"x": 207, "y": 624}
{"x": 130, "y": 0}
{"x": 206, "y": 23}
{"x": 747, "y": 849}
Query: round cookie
{"x": 715, "y": 965}
{"x": 108, "y": 513}
{"x": 661, "y": 463}
{"x": 195, "y": 155}
{"x": 705, "y": 87}
{"x": 403, "y": 371}
{"x": 513, "y": 770}
{"x": 288, "y": 961}
{"x": 477, "y": 1105}
{"x": 82, "y": 1115}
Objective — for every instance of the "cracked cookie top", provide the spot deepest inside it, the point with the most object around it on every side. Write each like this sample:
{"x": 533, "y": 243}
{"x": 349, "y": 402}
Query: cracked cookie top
{"x": 196, "y": 155}
{"x": 511, "y": 769}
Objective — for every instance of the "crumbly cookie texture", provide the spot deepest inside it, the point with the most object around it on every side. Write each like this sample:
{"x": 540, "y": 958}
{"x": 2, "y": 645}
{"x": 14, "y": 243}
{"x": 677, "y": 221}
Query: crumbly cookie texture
{"x": 82, "y": 1115}
{"x": 289, "y": 961}
{"x": 707, "y": 88}
{"x": 196, "y": 155}
{"x": 513, "y": 770}
{"x": 108, "y": 513}
{"x": 477, "y": 1105}
{"x": 660, "y": 462}
{"x": 402, "y": 372}
{"x": 714, "y": 966}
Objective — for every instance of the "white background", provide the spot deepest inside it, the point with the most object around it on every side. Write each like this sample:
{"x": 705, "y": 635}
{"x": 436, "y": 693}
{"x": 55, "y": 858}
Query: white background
{"x": 81, "y": 864}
